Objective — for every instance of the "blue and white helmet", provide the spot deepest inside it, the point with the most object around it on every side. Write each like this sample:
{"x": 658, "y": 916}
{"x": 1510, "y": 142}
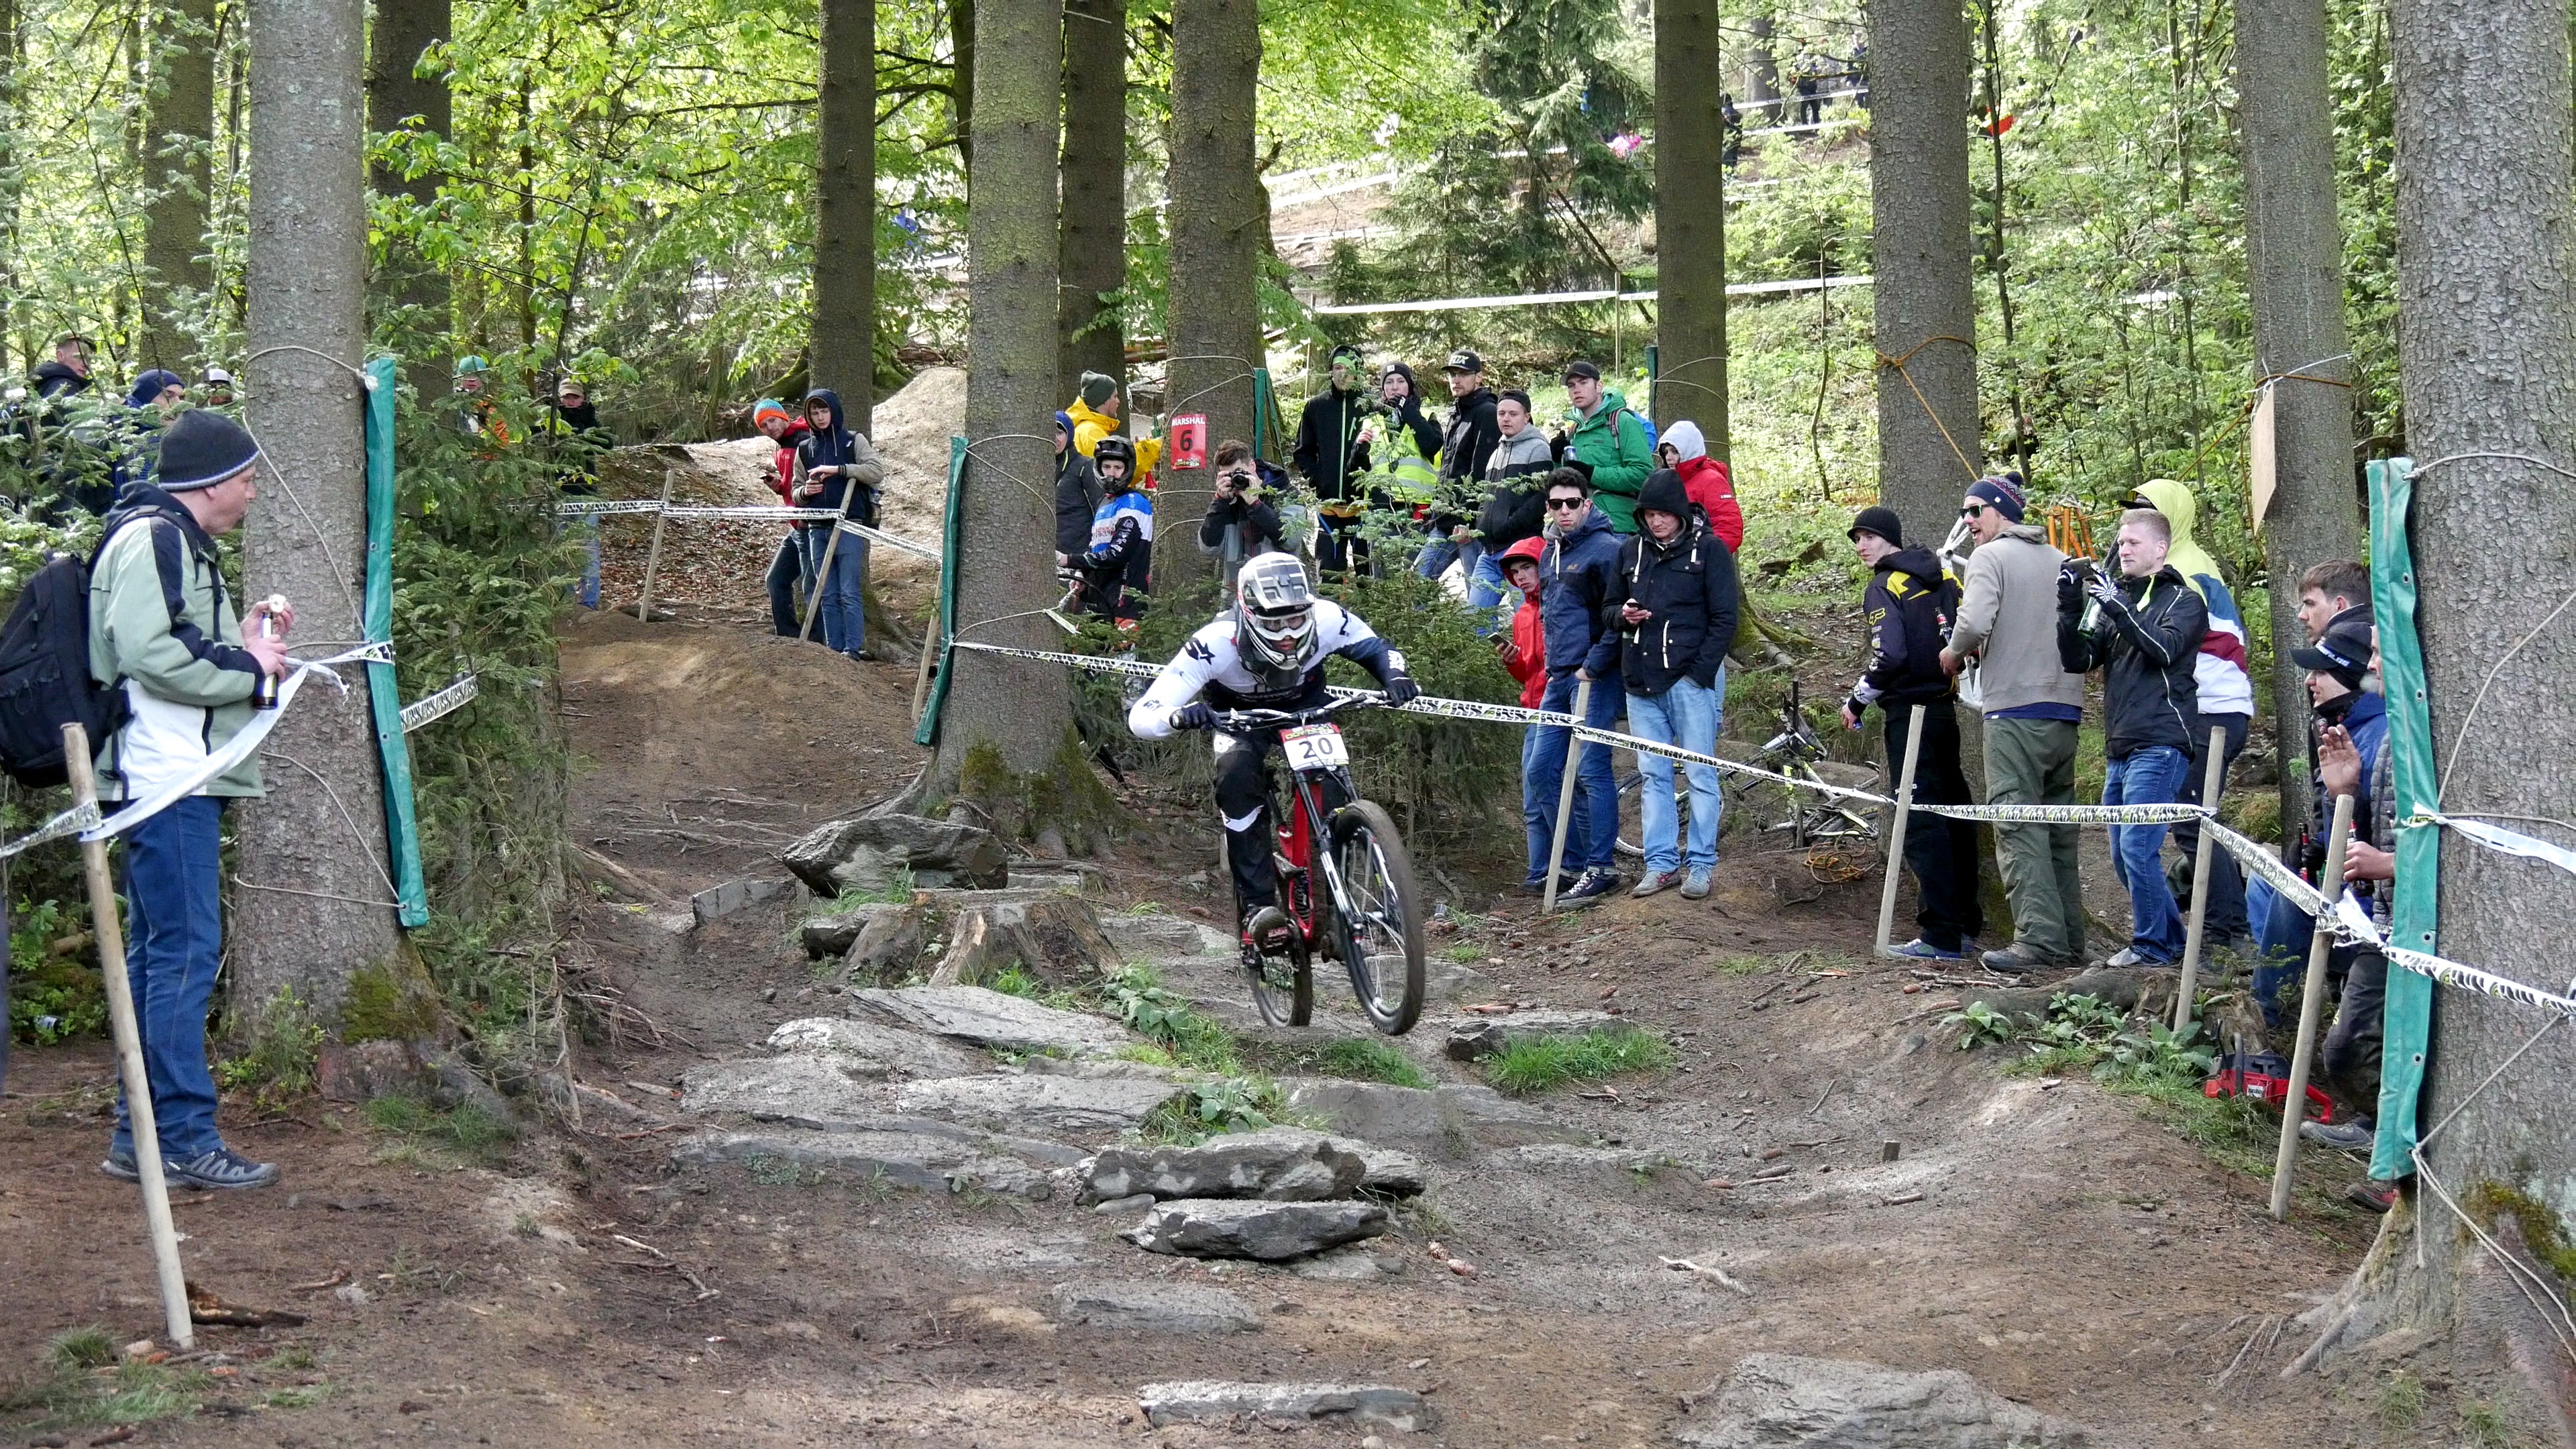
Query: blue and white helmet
{"x": 1274, "y": 614}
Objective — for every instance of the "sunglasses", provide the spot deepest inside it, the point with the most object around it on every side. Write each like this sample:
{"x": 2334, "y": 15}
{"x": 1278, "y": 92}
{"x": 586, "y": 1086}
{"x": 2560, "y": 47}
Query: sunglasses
{"x": 1973, "y": 509}
{"x": 1567, "y": 502}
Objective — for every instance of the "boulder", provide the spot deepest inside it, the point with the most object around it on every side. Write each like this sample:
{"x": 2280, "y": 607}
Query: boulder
{"x": 1473, "y": 1037}
{"x": 1239, "y": 1228}
{"x": 1284, "y": 1405}
{"x": 876, "y": 941}
{"x": 717, "y": 902}
{"x": 1283, "y": 1164}
{"x": 803, "y": 1087}
{"x": 873, "y": 852}
{"x": 1054, "y": 938}
{"x": 1064, "y": 1104}
{"x": 898, "y": 1159}
{"x": 1776, "y": 1399}
{"x": 989, "y": 1019}
{"x": 1455, "y": 1116}
{"x": 1153, "y": 1307}
{"x": 868, "y": 1049}
{"x": 1385, "y": 1172}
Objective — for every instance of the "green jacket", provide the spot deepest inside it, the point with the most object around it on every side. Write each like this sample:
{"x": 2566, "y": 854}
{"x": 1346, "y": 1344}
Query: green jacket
{"x": 1613, "y": 442}
{"x": 159, "y": 620}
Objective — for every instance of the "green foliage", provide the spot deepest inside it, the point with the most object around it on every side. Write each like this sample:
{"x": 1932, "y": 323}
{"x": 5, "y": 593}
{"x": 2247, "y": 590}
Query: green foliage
{"x": 85, "y": 1386}
{"x": 53, "y": 996}
{"x": 2483, "y": 1428}
{"x": 278, "y": 1062}
{"x": 2541, "y": 1231}
{"x": 81, "y": 1348}
{"x": 466, "y": 1130}
{"x": 1542, "y": 1064}
{"x": 1359, "y": 1058}
{"x": 1137, "y": 996}
{"x": 1215, "y": 1107}
{"x": 2401, "y": 1401}
{"x": 389, "y": 1001}
{"x": 2080, "y": 1033}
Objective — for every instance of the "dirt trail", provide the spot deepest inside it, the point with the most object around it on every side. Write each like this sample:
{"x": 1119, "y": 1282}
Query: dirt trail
{"x": 584, "y": 1291}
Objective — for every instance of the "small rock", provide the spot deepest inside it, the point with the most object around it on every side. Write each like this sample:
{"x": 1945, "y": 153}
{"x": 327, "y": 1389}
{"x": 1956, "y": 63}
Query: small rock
{"x": 1483, "y": 1036}
{"x": 350, "y": 1293}
{"x": 1115, "y": 1205}
{"x": 140, "y": 1348}
{"x": 1287, "y": 1164}
{"x": 1271, "y": 1231}
{"x": 1153, "y": 1307}
{"x": 717, "y": 902}
{"x": 1341, "y": 1265}
{"x": 1283, "y": 1404}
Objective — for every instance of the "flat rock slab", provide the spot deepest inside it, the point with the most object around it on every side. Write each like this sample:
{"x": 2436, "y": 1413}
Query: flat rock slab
{"x": 1457, "y": 1116}
{"x": 1773, "y": 1400}
{"x": 801, "y": 1087}
{"x": 1282, "y": 1164}
{"x": 1063, "y": 1104}
{"x": 717, "y": 902}
{"x": 898, "y": 1159}
{"x": 1474, "y": 1037}
{"x": 1385, "y": 1172}
{"x": 870, "y": 1049}
{"x": 1270, "y": 1231}
{"x": 1197, "y": 1400}
{"x": 988, "y": 1019}
{"x": 1152, "y": 1307}
{"x": 873, "y": 852}
{"x": 1159, "y": 937}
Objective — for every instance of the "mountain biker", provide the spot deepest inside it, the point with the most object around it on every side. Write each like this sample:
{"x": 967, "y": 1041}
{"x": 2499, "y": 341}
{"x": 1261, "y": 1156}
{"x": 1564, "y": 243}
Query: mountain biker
{"x": 1267, "y": 652}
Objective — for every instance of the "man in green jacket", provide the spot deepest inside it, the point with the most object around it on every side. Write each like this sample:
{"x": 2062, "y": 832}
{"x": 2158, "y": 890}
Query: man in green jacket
{"x": 1610, "y": 441}
{"x": 162, "y": 630}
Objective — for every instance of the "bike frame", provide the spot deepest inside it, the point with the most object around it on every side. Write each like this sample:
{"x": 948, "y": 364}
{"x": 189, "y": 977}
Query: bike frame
{"x": 1298, "y": 829}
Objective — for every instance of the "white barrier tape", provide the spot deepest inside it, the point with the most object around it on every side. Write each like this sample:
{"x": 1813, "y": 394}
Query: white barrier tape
{"x": 2263, "y": 861}
{"x": 440, "y": 705}
{"x": 2354, "y": 927}
{"x": 79, "y": 817}
{"x": 2169, "y": 814}
{"x": 899, "y": 545}
{"x": 598, "y": 507}
{"x": 1137, "y": 668}
{"x": 594, "y": 507}
{"x": 2497, "y": 838}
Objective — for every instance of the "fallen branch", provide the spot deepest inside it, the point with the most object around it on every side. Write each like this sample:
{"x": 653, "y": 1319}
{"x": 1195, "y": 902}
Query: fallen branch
{"x": 663, "y": 1260}
{"x": 1685, "y": 1265}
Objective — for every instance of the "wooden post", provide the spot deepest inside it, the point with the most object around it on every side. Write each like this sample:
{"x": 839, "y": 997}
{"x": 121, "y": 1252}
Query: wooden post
{"x": 104, "y": 923}
{"x": 2311, "y": 1005}
{"x": 1565, "y": 792}
{"x": 1896, "y": 837}
{"x": 653, "y": 555}
{"x": 2213, "y": 779}
{"x": 823, "y": 571}
{"x": 929, "y": 665}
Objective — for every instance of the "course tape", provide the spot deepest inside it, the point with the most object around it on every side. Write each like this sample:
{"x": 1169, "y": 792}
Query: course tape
{"x": 440, "y": 705}
{"x": 2497, "y": 838}
{"x": 79, "y": 817}
{"x": 598, "y": 507}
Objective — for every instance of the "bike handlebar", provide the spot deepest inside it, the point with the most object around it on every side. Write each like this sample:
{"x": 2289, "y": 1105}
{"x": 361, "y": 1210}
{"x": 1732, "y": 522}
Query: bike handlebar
{"x": 1238, "y": 721}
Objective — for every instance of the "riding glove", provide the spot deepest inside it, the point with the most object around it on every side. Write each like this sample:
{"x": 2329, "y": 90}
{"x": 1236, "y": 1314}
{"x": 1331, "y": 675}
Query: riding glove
{"x": 1194, "y": 716}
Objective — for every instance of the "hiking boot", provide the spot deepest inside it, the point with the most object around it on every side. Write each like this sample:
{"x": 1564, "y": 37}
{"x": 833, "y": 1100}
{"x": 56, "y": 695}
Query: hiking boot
{"x": 1268, "y": 931}
{"x": 220, "y": 1169}
{"x": 2377, "y": 1194}
{"x": 1656, "y": 882}
{"x": 120, "y": 1165}
{"x": 1695, "y": 887}
{"x": 1919, "y": 949}
{"x": 2353, "y": 1134}
{"x": 1589, "y": 888}
{"x": 2017, "y": 960}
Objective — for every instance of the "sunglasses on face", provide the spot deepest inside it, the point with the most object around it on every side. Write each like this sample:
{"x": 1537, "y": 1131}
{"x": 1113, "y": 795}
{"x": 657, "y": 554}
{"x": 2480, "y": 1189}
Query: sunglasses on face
{"x": 1566, "y": 502}
{"x": 1972, "y": 510}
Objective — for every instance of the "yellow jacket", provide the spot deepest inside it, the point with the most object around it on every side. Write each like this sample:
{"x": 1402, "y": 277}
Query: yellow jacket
{"x": 1090, "y": 427}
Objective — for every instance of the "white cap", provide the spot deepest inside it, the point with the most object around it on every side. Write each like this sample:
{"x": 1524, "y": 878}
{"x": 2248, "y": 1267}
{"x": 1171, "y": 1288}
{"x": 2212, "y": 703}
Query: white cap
{"x": 217, "y": 374}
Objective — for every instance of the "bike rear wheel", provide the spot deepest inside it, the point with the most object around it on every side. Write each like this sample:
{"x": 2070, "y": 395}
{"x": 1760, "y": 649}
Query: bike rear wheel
{"x": 1377, "y": 917}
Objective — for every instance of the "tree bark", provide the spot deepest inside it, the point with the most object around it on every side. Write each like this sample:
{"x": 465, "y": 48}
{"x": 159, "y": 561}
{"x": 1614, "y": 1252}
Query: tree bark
{"x": 845, "y": 219}
{"x": 1690, "y": 222}
{"x": 320, "y": 833}
{"x": 402, "y": 35}
{"x": 1929, "y": 447}
{"x": 9, "y": 187}
{"x": 1761, "y": 74}
{"x": 2294, "y": 256}
{"x": 1216, "y": 218}
{"x": 1022, "y": 708}
{"x": 961, "y": 77}
{"x": 1092, "y": 234}
{"x": 178, "y": 151}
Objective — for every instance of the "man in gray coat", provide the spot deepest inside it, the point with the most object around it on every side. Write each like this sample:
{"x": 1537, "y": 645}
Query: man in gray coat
{"x": 2008, "y": 625}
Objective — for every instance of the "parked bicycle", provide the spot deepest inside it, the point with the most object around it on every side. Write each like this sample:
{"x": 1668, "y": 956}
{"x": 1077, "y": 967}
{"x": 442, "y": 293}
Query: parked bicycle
{"x": 1794, "y": 751}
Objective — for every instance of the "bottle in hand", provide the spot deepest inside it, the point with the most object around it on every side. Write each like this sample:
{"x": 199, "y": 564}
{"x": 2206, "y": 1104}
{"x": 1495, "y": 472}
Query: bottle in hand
{"x": 264, "y": 694}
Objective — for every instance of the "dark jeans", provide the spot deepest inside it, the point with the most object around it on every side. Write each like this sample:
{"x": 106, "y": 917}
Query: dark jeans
{"x": 1339, "y": 545}
{"x": 2224, "y": 919}
{"x": 1594, "y": 833}
{"x": 1941, "y": 852}
{"x": 174, "y": 905}
{"x": 2348, "y": 1059}
{"x": 788, "y": 577}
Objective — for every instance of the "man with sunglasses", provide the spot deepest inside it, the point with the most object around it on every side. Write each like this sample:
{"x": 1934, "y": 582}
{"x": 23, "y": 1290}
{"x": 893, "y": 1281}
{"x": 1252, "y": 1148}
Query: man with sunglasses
{"x": 1578, "y": 609}
{"x": 2007, "y": 623}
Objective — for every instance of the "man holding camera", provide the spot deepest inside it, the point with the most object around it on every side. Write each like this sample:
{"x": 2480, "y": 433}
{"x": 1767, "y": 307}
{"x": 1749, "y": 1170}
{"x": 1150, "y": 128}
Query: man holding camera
{"x": 1242, "y": 522}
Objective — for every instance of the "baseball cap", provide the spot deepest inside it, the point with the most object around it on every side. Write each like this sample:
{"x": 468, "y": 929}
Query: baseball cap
{"x": 1580, "y": 368}
{"x": 2344, "y": 648}
{"x": 1463, "y": 360}
{"x": 216, "y": 374}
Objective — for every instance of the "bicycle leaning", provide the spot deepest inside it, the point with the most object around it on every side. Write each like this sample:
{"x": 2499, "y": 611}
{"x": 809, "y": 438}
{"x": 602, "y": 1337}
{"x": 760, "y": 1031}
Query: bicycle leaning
{"x": 1793, "y": 751}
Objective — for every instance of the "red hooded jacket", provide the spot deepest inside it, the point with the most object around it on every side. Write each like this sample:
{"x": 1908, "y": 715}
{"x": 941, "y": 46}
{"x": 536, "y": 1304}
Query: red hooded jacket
{"x": 1705, "y": 479}
{"x": 1528, "y": 663}
{"x": 782, "y": 468}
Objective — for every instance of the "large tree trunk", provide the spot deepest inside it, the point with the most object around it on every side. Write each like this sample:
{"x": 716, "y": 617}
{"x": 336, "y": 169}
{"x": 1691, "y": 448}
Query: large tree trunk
{"x": 1929, "y": 446}
{"x": 9, "y": 188}
{"x": 1761, "y": 74}
{"x": 178, "y": 152}
{"x": 1690, "y": 222}
{"x": 403, "y": 33}
{"x": 2294, "y": 247}
{"x": 961, "y": 77}
{"x": 320, "y": 834}
{"x": 1217, "y": 220}
{"x": 1021, "y": 708}
{"x": 845, "y": 219}
{"x": 1092, "y": 247}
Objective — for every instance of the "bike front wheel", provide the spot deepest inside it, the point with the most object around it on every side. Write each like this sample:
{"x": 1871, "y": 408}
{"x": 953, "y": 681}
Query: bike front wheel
{"x": 1377, "y": 917}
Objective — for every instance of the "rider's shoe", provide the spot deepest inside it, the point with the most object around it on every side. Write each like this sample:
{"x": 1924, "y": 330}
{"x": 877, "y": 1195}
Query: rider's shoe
{"x": 1268, "y": 931}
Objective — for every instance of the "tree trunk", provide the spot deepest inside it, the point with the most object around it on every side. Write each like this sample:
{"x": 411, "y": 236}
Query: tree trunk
{"x": 1022, "y": 708}
{"x": 845, "y": 212}
{"x": 320, "y": 833}
{"x": 1213, "y": 317}
{"x": 1761, "y": 74}
{"x": 1690, "y": 222}
{"x": 1929, "y": 446}
{"x": 961, "y": 77}
{"x": 9, "y": 183}
{"x": 2294, "y": 257}
{"x": 178, "y": 151}
{"x": 403, "y": 33}
{"x": 1092, "y": 248}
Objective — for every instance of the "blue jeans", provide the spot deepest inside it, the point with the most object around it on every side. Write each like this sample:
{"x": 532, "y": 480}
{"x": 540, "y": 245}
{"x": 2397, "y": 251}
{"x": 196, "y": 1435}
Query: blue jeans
{"x": 1685, "y": 715}
{"x": 788, "y": 575}
{"x": 1486, "y": 589}
{"x": 2148, "y": 777}
{"x": 1538, "y": 808}
{"x": 588, "y": 526}
{"x": 1594, "y": 831}
{"x": 174, "y": 905}
{"x": 2282, "y": 935}
{"x": 844, "y": 622}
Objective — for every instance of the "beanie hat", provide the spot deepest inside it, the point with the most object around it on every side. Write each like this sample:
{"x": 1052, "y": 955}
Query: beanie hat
{"x": 1098, "y": 388}
{"x": 767, "y": 408}
{"x": 2004, "y": 493}
{"x": 202, "y": 449}
{"x": 1880, "y": 521}
{"x": 1663, "y": 493}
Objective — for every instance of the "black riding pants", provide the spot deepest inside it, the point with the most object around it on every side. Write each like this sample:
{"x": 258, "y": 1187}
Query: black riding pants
{"x": 1243, "y": 799}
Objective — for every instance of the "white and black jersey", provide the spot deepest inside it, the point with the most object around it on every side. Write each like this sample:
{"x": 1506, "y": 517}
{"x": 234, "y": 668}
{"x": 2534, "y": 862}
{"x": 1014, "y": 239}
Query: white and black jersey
{"x": 1210, "y": 664}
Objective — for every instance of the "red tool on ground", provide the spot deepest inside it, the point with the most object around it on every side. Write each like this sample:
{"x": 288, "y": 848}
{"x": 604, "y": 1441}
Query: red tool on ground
{"x": 2263, "y": 1077}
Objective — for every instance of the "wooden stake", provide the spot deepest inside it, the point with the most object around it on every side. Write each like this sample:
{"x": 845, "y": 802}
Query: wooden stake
{"x": 104, "y": 923}
{"x": 1565, "y": 793}
{"x": 2294, "y": 1105}
{"x": 1896, "y": 838}
{"x": 823, "y": 575}
{"x": 929, "y": 663}
{"x": 653, "y": 555}
{"x": 2213, "y": 779}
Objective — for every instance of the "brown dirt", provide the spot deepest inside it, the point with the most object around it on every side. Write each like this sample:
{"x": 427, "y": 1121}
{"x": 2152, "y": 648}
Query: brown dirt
{"x": 2065, "y": 1250}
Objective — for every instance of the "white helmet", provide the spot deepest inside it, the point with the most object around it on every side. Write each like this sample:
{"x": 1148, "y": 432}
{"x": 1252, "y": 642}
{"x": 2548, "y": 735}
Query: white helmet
{"x": 1274, "y": 628}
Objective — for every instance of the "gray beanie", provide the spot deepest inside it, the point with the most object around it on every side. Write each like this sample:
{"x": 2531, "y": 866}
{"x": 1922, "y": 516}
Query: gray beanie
{"x": 1098, "y": 388}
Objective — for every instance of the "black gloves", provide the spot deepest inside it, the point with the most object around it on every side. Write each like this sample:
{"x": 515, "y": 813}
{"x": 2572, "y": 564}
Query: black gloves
{"x": 2070, "y": 589}
{"x": 1194, "y": 716}
{"x": 1400, "y": 688}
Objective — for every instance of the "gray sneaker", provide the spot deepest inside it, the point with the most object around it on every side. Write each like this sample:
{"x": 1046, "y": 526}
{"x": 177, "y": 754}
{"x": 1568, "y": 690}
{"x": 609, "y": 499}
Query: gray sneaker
{"x": 1655, "y": 883}
{"x": 1695, "y": 888}
{"x": 220, "y": 1169}
{"x": 2017, "y": 960}
{"x": 2353, "y": 1134}
{"x": 120, "y": 1165}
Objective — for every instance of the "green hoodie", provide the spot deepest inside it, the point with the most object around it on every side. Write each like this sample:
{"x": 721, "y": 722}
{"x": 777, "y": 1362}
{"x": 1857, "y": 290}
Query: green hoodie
{"x": 1613, "y": 442}
{"x": 161, "y": 626}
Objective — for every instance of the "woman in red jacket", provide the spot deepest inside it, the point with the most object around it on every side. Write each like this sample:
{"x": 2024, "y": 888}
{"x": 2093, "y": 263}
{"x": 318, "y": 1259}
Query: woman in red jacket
{"x": 1705, "y": 479}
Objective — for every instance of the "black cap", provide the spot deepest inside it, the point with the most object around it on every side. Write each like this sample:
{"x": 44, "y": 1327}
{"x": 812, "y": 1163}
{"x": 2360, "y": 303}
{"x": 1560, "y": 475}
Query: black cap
{"x": 2343, "y": 651}
{"x": 1464, "y": 360}
{"x": 1580, "y": 368}
{"x": 1880, "y": 521}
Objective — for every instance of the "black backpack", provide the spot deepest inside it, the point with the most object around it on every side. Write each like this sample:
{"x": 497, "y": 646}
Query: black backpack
{"x": 45, "y": 681}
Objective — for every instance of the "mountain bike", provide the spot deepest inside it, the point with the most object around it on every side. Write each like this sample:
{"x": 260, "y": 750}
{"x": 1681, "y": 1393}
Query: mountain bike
{"x": 1793, "y": 752}
{"x": 1356, "y": 900}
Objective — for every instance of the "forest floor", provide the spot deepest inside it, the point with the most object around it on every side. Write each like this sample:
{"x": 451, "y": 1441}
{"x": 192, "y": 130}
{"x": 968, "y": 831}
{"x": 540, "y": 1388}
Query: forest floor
{"x": 574, "y": 1287}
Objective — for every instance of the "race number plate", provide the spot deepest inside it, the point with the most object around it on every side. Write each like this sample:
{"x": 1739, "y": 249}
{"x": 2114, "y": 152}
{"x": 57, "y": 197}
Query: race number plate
{"x": 1316, "y": 747}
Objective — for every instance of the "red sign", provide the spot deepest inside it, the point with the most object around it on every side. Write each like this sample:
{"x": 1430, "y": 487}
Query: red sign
{"x": 1189, "y": 440}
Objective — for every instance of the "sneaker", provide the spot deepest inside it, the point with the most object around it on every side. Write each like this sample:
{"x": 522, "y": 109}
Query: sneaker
{"x": 2353, "y": 1134}
{"x": 1268, "y": 931}
{"x": 2128, "y": 956}
{"x": 1655, "y": 883}
{"x": 2017, "y": 960}
{"x": 1919, "y": 949}
{"x": 120, "y": 1165}
{"x": 2377, "y": 1194}
{"x": 1537, "y": 885}
{"x": 1695, "y": 887}
{"x": 1589, "y": 888}
{"x": 221, "y": 1168}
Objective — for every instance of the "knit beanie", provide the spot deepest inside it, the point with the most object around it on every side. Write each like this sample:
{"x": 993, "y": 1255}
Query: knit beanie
{"x": 2003, "y": 493}
{"x": 1098, "y": 388}
{"x": 1880, "y": 521}
{"x": 202, "y": 449}
{"x": 770, "y": 407}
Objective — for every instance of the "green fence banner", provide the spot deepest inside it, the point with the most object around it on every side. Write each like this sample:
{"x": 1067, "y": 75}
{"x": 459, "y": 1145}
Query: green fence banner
{"x": 929, "y": 729}
{"x": 402, "y": 832}
{"x": 2407, "y": 1024}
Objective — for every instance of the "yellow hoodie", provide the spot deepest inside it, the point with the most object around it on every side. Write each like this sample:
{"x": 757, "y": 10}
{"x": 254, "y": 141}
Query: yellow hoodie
{"x": 1090, "y": 427}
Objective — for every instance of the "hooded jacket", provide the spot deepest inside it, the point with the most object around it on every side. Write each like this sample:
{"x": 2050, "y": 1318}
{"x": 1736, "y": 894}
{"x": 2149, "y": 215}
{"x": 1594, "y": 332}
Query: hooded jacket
{"x": 1687, "y": 587}
{"x": 1909, "y": 607}
{"x": 1408, "y": 446}
{"x": 1119, "y": 563}
{"x": 161, "y": 625}
{"x": 1612, "y": 443}
{"x": 1528, "y": 663}
{"x": 2145, "y": 648}
{"x": 1708, "y": 482}
{"x": 1579, "y": 605}
{"x": 2008, "y": 621}
{"x": 1090, "y": 427}
{"x": 839, "y": 447}
{"x": 2364, "y": 716}
{"x": 1515, "y": 504}
{"x": 782, "y": 463}
{"x": 1464, "y": 448}
{"x": 1329, "y": 451}
{"x": 138, "y": 442}
{"x": 1078, "y": 496}
{"x": 55, "y": 379}
{"x": 2222, "y": 674}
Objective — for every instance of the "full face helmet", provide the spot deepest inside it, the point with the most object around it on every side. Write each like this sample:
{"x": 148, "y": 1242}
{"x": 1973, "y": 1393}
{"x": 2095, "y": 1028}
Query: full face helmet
{"x": 1274, "y": 614}
{"x": 1116, "y": 449}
